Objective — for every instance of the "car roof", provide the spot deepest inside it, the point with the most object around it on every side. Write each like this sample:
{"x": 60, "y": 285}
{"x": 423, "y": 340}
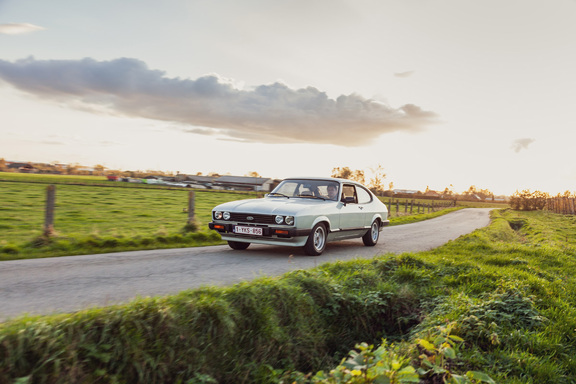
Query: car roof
{"x": 323, "y": 179}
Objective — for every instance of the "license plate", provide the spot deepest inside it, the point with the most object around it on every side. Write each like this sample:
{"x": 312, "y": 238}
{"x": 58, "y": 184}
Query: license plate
{"x": 248, "y": 230}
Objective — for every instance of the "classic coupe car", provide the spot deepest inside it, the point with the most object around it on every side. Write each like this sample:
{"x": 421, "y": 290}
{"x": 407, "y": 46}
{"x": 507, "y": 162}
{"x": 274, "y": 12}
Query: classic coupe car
{"x": 303, "y": 212}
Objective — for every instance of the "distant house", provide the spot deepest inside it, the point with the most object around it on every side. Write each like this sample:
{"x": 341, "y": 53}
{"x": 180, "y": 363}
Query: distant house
{"x": 431, "y": 193}
{"x": 405, "y": 191}
{"x": 244, "y": 183}
{"x": 196, "y": 181}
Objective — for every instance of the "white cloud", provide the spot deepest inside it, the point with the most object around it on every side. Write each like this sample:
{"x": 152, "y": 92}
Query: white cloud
{"x": 18, "y": 28}
{"x": 272, "y": 113}
{"x": 404, "y": 74}
{"x": 521, "y": 144}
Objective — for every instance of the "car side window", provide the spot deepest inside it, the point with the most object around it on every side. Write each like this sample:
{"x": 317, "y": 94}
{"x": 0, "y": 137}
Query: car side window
{"x": 349, "y": 191}
{"x": 364, "y": 196}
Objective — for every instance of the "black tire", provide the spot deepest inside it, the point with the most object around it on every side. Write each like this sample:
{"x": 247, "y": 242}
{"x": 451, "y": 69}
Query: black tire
{"x": 316, "y": 243}
{"x": 238, "y": 245}
{"x": 371, "y": 237}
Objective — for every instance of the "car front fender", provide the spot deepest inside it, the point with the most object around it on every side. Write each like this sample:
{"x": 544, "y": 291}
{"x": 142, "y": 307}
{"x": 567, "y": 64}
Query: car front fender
{"x": 322, "y": 219}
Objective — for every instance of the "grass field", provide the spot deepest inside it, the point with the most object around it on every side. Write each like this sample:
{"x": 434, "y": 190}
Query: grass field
{"x": 99, "y": 218}
{"x": 107, "y": 211}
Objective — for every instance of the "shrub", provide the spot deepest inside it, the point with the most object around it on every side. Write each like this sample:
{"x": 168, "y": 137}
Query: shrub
{"x": 528, "y": 201}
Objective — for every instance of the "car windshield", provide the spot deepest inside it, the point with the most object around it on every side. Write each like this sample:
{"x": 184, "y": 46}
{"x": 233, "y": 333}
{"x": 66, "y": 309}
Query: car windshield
{"x": 314, "y": 189}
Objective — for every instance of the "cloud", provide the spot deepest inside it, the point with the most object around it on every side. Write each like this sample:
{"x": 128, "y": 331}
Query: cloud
{"x": 18, "y": 28}
{"x": 272, "y": 113}
{"x": 404, "y": 74}
{"x": 521, "y": 144}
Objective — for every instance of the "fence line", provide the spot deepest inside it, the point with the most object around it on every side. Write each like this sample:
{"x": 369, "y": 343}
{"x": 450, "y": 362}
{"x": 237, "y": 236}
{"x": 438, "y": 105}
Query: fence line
{"x": 562, "y": 205}
{"x": 417, "y": 207}
{"x": 48, "y": 229}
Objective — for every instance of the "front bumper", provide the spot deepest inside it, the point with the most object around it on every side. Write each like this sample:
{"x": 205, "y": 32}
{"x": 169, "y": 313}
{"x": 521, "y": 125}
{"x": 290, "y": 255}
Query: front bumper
{"x": 267, "y": 232}
{"x": 271, "y": 235}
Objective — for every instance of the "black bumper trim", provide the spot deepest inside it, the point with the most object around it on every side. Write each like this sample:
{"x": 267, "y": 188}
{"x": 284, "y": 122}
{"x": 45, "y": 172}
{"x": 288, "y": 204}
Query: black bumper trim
{"x": 266, "y": 231}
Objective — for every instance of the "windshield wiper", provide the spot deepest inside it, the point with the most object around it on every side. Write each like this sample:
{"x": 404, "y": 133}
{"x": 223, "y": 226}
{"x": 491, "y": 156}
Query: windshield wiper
{"x": 311, "y": 197}
{"x": 278, "y": 194}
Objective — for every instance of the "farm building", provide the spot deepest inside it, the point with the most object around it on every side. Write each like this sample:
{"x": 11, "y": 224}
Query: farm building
{"x": 260, "y": 184}
{"x": 241, "y": 183}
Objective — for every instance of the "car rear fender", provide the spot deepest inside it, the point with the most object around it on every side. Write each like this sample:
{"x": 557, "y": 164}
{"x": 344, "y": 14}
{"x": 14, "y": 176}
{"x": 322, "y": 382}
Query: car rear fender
{"x": 383, "y": 222}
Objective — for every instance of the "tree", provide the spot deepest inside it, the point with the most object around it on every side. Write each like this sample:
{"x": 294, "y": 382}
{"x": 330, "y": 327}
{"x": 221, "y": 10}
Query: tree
{"x": 347, "y": 173}
{"x": 341, "y": 173}
{"x": 253, "y": 174}
{"x": 99, "y": 170}
{"x": 3, "y": 165}
{"x": 377, "y": 181}
{"x": 528, "y": 201}
{"x": 71, "y": 169}
{"x": 483, "y": 194}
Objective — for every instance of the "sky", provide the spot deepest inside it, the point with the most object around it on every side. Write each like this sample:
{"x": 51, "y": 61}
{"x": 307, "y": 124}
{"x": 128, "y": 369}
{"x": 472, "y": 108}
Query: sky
{"x": 438, "y": 93}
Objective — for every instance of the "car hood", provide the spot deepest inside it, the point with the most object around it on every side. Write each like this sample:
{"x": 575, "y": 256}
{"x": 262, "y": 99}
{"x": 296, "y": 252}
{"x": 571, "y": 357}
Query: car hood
{"x": 274, "y": 205}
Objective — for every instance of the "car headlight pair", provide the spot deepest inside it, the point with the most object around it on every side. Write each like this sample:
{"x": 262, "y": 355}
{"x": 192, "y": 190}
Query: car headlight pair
{"x": 288, "y": 220}
{"x": 218, "y": 215}
{"x": 279, "y": 219}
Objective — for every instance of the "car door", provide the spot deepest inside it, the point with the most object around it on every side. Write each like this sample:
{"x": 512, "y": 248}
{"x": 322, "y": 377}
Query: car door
{"x": 365, "y": 203}
{"x": 351, "y": 213}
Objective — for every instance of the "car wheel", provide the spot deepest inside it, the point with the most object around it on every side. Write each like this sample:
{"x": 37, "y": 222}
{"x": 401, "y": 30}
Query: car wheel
{"x": 316, "y": 241}
{"x": 371, "y": 237}
{"x": 238, "y": 245}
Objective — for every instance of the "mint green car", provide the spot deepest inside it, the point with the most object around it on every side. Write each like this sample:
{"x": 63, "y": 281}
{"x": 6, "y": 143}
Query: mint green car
{"x": 303, "y": 212}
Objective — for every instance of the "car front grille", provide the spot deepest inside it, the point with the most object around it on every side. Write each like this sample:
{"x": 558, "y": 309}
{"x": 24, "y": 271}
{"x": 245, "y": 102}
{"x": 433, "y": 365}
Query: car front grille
{"x": 256, "y": 219}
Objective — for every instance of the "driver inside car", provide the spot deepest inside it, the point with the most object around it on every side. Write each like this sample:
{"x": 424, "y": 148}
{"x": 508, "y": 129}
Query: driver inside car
{"x": 332, "y": 192}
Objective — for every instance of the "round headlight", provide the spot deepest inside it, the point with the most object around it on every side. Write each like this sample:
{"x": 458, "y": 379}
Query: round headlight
{"x": 289, "y": 220}
{"x": 279, "y": 219}
{"x": 218, "y": 215}
{"x": 226, "y": 215}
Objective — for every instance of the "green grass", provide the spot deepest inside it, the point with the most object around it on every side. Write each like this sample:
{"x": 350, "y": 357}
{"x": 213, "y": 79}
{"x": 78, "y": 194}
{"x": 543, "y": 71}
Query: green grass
{"x": 53, "y": 179}
{"x": 498, "y": 303}
{"x": 108, "y": 217}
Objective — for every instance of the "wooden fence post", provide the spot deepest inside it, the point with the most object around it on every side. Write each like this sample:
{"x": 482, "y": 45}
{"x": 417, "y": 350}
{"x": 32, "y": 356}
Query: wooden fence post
{"x": 191, "y": 203}
{"x": 49, "y": 213}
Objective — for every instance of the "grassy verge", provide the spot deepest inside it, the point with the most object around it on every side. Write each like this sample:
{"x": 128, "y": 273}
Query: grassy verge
{"x": 499, "y": 303}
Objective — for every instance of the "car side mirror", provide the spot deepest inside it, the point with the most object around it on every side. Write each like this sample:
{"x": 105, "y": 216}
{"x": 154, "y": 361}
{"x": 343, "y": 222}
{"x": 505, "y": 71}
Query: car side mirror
{"x": 348, "y": 199}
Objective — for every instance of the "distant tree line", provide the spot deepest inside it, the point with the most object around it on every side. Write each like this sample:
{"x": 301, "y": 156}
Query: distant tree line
{"x": 75, "y": 169}
{"x": 376, "y": 184}
{"x": 528, "y": 201}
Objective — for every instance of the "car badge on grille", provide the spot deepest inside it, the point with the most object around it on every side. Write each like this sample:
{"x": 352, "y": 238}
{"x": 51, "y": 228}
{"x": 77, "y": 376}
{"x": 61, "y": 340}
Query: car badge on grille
{"x": 249, "y": 218}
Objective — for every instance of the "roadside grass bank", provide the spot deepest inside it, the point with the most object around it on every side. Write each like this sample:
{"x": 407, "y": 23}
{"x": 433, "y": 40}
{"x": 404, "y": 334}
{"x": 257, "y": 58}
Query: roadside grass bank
{"x": 105, "y": 218}
{"x": 498, "y": 305}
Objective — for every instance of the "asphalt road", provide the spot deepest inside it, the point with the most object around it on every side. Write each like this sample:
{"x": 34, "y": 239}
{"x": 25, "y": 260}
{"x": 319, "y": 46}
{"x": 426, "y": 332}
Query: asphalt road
{"x": 68, "y": 284}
